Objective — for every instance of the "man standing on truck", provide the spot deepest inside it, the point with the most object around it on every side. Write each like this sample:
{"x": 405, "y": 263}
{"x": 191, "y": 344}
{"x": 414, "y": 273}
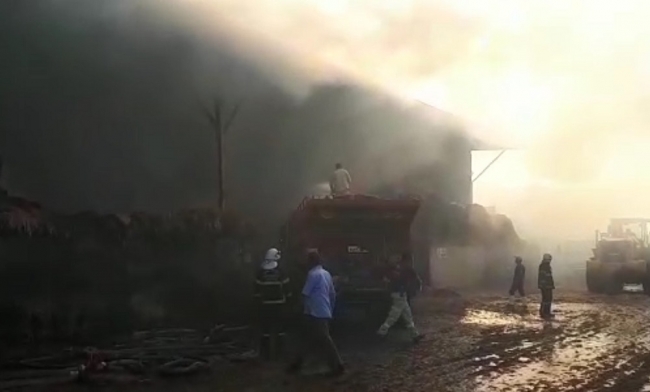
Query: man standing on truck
{"x": 400, "y": 279}
{"x": 319, "y": 298}
{"x": 340, "y": 181}
{"x": 272, "y": 291}
{"x": 546, "y": 285}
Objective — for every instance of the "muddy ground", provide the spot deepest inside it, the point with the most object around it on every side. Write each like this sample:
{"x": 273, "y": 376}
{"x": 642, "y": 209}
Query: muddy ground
{"x": 475, "y": 342}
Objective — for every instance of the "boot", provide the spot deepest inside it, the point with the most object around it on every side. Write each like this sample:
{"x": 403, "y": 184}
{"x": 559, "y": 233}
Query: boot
{"x": 545, "y": 312}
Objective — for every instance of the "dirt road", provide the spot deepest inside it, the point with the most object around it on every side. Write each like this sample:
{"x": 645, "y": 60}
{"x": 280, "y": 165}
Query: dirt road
{"x": 595, "y": 344}
{"x": 477, "y": 343}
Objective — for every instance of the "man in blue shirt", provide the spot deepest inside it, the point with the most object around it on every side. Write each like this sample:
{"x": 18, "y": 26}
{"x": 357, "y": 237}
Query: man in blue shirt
{"x": 319, "y": 298}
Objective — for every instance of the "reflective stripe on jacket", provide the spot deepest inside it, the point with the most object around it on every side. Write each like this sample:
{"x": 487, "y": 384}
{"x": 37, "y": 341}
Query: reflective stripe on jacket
{"x": 272, "y": 286}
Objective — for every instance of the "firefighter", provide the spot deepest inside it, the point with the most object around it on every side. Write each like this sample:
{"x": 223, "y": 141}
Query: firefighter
{"x": 400, "y": 278}
{"x": 518, "y": 280}
{"x": 546, "y": 285}
{"x": 272, "y": 292}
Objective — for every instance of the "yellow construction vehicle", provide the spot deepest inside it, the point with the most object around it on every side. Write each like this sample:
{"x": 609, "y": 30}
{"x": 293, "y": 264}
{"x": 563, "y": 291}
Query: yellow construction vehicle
{"x": 621, "y": 256}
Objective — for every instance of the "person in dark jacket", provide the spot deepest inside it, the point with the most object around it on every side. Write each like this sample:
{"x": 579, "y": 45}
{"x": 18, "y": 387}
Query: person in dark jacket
{"x": 400, "y": 278}
{"x": 518, "y": 279}
{"x": 546, "y": 285}
{"x": 272, "y": 292}
{"x": 414, "y": 285}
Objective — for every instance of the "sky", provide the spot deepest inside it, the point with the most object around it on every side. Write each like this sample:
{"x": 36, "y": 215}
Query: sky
{"x": 566, "y": 82}
{"x": 554, "y": 210}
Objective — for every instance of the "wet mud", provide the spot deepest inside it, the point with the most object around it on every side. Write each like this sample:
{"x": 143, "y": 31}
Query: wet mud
{"x": 481, "y": 343}
{"x": 595, "y": 343}
{"x": 477, "y": 342}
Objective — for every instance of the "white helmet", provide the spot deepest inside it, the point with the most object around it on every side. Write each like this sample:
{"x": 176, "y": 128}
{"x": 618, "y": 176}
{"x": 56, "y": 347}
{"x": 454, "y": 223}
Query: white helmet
{"x": 547, "y": 257}
{"x": 271, "y": 259}
{"x": 272, "y": 255}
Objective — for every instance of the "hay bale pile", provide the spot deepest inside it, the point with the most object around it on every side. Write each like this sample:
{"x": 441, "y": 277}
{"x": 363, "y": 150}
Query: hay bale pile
{"x": 445, "y": 223}
{"x": 489, "y": 240}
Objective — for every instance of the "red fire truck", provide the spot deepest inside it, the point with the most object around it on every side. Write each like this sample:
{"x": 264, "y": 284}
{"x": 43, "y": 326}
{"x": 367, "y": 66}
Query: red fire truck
{"x": 356, "y": 236}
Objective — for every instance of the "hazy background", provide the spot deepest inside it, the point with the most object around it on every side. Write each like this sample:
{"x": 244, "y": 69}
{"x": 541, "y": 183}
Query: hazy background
{"x": 99, "y": 98}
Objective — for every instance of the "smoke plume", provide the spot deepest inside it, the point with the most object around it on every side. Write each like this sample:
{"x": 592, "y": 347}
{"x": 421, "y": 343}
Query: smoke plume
{"x": 100, "y": 102}
{"x": 103, "y": 108}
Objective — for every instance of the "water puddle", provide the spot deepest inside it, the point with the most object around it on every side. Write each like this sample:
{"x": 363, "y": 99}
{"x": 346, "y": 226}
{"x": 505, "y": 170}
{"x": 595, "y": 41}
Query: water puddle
{"x": 582, "y": 351}
{"x": 525, "y": 344}
{"x": 488, "y": 318}
{"x": 482, "y": 359}
{"x": 646, "y": 387}
{"x": 554, "y": 365}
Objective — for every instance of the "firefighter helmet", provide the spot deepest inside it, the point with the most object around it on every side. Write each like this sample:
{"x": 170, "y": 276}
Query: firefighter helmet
{"x": 271, "y": 259}
{"x": 272, "y": 255}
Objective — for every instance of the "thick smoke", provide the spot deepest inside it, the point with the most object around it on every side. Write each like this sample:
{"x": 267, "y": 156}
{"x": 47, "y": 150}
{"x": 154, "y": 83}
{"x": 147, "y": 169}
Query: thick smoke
{"x": 568, "y": 79}
{"x": 100, "y": 99}
{"x": 100, "y": 105}
{"x": 102, "y": 110}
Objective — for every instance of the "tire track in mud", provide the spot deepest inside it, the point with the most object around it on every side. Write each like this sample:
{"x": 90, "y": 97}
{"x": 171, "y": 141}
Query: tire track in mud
{"x": 627, "y": 376}
{"x": 593, "y": 346}
{"x": 455, "y": 354}
{"x": 475, "y": 344}
{"x": 598, "y": 349}
{"x": 479, "y": 349}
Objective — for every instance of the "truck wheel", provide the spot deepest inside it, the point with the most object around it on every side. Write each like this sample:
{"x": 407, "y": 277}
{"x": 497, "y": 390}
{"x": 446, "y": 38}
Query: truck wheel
{"x": 646, "y": 282}
{"x": 594, "y": 283}
{"x": 614, "y": 287}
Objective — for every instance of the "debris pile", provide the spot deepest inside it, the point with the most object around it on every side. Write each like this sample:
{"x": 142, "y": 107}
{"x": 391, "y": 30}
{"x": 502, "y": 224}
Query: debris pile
{"x": 145, "y": 356}
{"x": 70, "y": 276}
{"x": 472, "y": 245}
{"x": 449, "y": 224}
{"x": 21, "y": 216}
